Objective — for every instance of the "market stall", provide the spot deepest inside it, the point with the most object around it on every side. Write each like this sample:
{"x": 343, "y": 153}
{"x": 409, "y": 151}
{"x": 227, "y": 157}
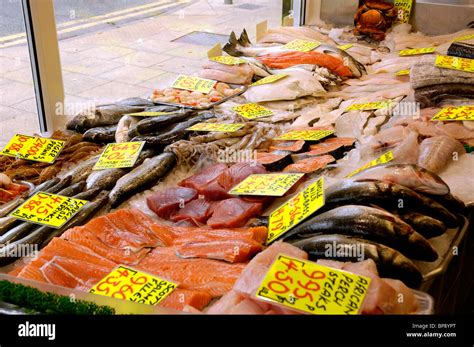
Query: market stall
{"x": 318, "y": 170}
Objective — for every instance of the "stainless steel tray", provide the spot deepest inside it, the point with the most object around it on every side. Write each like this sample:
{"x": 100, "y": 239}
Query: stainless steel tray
{"x": 202, "y": 108}
{"x": 444, "y": 246}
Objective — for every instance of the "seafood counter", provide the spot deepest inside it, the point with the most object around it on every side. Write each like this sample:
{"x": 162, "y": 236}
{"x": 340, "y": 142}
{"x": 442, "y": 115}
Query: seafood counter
{"x": 347, "y": 155}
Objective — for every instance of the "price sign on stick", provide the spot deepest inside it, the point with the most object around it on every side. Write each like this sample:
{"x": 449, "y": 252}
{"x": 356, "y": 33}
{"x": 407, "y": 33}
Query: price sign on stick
{"x": 266, "y": 184}
{"x": 33, "y": 148}
{"x": 119, "y": 155}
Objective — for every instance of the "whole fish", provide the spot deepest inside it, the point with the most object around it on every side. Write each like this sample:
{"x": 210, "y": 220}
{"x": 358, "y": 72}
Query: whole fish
{"x": 9, "y": 206}
{"x": 408, "y": 175}
{"x": 449, "y": 201}
{"x": 124, "y": 125}
{"x": 388, "y": 195}
{"x": 41, "y": 234}
{"x": 107, "y": 114}
{"x": 150, "y": 125}
{"x": 175, "y": 133}
{"x": 141, "y": 177}
{"x": 390, "y": 262}
{"x": 427, "y": 226}
{"x": 83, "y": 170}
{"x": 131, "y": 128}
{"x": 368, "y": 223}
{"x": 88, "y": 194}
{"x": 43, "y": 187}
{"x": 438, "y": 151}
{"x": 106, "y": 179}
{"x": 63, "y": 183}
{"x": 105, "y": 134}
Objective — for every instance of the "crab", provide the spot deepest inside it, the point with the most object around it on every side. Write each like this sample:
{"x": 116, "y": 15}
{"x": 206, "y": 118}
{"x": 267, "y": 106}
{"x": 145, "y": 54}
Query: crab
{"x": 373, "y": 19}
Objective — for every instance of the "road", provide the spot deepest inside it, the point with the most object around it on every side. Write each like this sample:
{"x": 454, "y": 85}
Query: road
{"x": 11, "y": 18}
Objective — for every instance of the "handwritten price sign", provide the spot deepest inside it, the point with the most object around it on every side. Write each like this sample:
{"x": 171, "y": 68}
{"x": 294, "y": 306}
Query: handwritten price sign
{"x": 296, "y": 210}
{"x": 269, "y": 79}
{"x": 403, "y": 10}
{"x": 128, "y": 284}
{"x": 307, "y": 135}
{"x": 368, "y": 106}
{"x": 346, "y": 47}
{"x": 194, "y": 84}
{"x": 301, "y": 45}
{"x": 218, "y": 127}
{"x": 309, "y": 287}
{"x": 33, "y": 148}
{"x": 459, "y": 113}
{"x": 119, "y": 155}
{"x": 149, "y": 114}
{"x": 464, "y": 38}
{"x": 383, "y": 159}
{"x": 455, "y": 63}
{"x": 416, "y": 51}
{"x": 48, "y": 209}
{"x": 228, "y": 60}
{"x": 252, "y": 111}
{"x": 266, "y": 184}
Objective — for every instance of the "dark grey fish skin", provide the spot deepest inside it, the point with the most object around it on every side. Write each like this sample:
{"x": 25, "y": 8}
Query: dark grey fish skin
{"x": 431, "y": 96}
{"x": 390, "y": 263}
{"x": 462, "y": 50}
{"x": 427, "y": 226}
{"x": 141, "y": 177}
{"x": 174, "y": 133}
{"x": 83, "y": 170}
{"x": 449, "y": 201}
{"x": 104, "y": 134}
{"x": 9, "y": 206}
{"x": 88, "y": 194}
{"x": 387, "y": 195}
{"x": 368, "y": 223}
{"x": 43, "y": 187}
{"x": 73, "y": 189}
{"x": 64, "y": 182}
{"x": 150, "y": 125}
{"x": 8, "y": 222}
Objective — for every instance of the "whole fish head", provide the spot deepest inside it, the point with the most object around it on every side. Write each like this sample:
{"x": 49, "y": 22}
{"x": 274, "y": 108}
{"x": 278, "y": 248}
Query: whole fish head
{"x": 356, "y": 68}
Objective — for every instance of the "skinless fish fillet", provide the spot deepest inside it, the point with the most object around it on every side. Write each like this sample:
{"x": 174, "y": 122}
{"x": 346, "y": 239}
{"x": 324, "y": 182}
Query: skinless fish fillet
{"x": 437, "y": 152}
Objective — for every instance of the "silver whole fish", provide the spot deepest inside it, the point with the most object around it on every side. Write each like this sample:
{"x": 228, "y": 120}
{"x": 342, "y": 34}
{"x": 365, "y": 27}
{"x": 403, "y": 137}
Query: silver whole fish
{"x": 83, "y": 170}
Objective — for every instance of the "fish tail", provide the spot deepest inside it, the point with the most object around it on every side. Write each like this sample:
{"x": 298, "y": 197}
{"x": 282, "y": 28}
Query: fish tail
{"x": 232, "y": 47}
{"x": 244, "y": 39}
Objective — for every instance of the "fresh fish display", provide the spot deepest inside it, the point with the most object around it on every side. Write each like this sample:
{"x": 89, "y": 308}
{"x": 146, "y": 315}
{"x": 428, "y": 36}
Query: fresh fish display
{"x": 387, "y": 195}
{"x": 390, "y": 263}
{"x": 410, "y": 176}
{"x": 150, "y": 125}
{"x": 368, "y": 223}
{"x": 436, "y": 152}
{"x": 425, "y": 225}
{"x": 141, "y": 177}
{"x": 104, "y": 134}
{"x": 233, "y": 74}
{"x": 81, "y": 171}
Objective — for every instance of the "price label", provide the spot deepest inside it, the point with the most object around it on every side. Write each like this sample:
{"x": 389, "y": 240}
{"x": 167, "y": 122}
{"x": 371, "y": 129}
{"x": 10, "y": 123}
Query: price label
{"x": 119, "y": 155}
{"x": 219, "y": 127}
{"x": 228, "y": 60}
{"x": 252, "y": 111}
{"x": 301, "y": 45}
{"x": 383, "y": 159}
{"x": 402, "y": 73}
{"x": 346, "y": 47}
{"x": 309, "y": 287}
{"x": 459, "y": 113}
{"x": 464, "y": 38}
{"x": 369, "y": 106}
{"x": 48, "y": 209}
{"x": 416, "y": 51}
{"x": 194, "y": 84}
{"x": 269, "y": 79}
{"x": 133, "y": 285}
{"x": 307, "y": 135}
{"x": 33, "y": 148}
{"x": 403, "y": 10}
{"x": 455, "y": 63}
{"x": 149, "y": 114}
{"x": 266, "y": 184}
{"x": 294, "y": 211}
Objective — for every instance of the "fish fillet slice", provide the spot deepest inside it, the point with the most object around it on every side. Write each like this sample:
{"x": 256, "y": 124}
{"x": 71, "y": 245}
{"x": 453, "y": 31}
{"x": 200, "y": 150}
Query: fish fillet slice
{"x": 180, "y": 298}
{"x": 32, "y": 271}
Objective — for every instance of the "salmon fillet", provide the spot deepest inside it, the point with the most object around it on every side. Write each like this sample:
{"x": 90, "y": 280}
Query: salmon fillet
{"x": 310, "y": 165}
{"x": 180, "y": 298}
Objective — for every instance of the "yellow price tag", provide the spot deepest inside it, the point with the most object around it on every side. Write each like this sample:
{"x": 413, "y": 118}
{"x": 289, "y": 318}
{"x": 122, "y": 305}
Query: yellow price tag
{"x": 228, "y": 60}
{"x": 307, "y": 135}
{"x": 48, "y": 209}
{"x": 403, "y": 10}
{"x": 369, "y": 106}
{"x": 301, "y": 45}
{"x": 464, "y": 38}
{"x": 195, "y": 84}
{"x": 383, "y": 159}
{"x": 455, "y": 63}
{"x": 266, "y": 184}
{"x": 309, "y": 287}
{"x": 252, "y": 111}
{"x": 269, "y": 79}
{"x": 459, "y": 113}
{"x": 119, "y": 155}
{"x": 416, "y": 51}
{"x": 346, "y": 47}
{"x": 149, "y": 114}
{"x": 297, "y": 209}
{"x": 133, "y": 285}
{"x": 219, "y": 127}
{"x": 33, "y": 148}
{"x": 402, "y": 73}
